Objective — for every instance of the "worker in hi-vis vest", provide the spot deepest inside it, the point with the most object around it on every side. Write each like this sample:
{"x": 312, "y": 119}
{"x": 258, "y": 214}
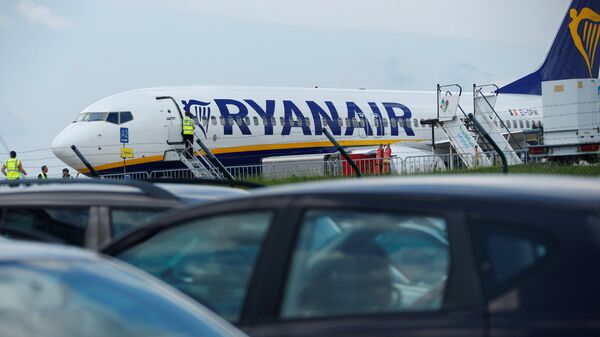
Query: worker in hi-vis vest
{"x": 12, "y": 167}
{"x": 44, "y": 173}
{"x": 187, "y": 131}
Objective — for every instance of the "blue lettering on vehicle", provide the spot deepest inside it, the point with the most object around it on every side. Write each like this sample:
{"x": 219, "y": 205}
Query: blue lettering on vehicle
{"x": 266, "y": 114}
{"x": 331, "y": 119}
{"x": 395, "y": 120}
{"x": 237, "y": 117}
{"x": 355, "y": 114}
{"x": 289, "y": 122}
{"x": 236, "y": 113}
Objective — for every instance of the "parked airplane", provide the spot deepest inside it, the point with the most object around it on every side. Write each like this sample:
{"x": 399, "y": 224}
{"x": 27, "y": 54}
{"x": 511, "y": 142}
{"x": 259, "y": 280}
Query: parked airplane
{"x": 242, "y": 125}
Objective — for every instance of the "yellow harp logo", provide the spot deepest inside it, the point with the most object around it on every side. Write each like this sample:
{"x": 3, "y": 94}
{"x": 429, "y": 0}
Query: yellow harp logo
{"x": 587, "y": 42}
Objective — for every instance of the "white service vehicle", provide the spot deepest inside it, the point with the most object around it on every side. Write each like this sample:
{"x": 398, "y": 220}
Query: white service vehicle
{"x": 571, "y": 121}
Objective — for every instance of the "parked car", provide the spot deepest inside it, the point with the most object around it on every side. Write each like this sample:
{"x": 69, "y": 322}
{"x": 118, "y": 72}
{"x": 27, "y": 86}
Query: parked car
{"x": 58, "y": 291}
{"x": 89, "y": 213}
{"x": 463, "y": 256}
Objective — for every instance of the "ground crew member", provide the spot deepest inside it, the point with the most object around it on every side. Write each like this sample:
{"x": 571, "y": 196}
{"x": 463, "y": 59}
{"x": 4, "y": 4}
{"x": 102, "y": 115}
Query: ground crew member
{"x": 66, "y": 174}
{"x": 387, "y": 157}
{"x": 187, "y": 131}
{"x": 13, "y": 168}
{"x": 379, "y": 160}
{"x": 44, "y": 174}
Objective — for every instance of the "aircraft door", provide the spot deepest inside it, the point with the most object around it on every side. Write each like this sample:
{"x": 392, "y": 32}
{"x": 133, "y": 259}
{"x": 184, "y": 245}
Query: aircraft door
{"x": 172, "y": 119}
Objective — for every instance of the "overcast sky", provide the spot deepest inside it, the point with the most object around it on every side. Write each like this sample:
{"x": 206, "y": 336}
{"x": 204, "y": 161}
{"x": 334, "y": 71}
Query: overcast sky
{"x": 57, "y": 57}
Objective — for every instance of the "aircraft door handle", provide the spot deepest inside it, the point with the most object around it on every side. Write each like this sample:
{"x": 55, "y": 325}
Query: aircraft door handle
{"x": 170, "y": 118}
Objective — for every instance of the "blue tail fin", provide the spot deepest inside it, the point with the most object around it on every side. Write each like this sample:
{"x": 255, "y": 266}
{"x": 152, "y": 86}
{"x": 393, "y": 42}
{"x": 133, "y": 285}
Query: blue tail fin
{"x": 573, "y": 53}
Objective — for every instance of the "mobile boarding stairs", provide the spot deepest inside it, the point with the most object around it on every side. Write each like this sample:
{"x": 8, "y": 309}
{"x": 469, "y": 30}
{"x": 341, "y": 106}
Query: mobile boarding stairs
{"x": 464, "y": 135}
{"x": 204, "y": 165}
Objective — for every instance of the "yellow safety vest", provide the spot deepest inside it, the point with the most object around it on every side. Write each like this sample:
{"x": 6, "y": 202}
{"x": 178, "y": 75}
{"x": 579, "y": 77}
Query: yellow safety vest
{"x": 188, "y": 126}
{"x": 12, "y": 169}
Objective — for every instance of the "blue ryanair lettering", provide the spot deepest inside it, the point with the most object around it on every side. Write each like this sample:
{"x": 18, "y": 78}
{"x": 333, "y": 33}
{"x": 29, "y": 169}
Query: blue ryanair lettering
{"x": 238, "y": 117}
{"x": 389, "y": 107}
{"x": 331, "y": 119}
{"x": 380, "y": 127}
{"x": 266, "y": 114}
{"x": 289, "y": 109}
{"x": 355, "y": 111}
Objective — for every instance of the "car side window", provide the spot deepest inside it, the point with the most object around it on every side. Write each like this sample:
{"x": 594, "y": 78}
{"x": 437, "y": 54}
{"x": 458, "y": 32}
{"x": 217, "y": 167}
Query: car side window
{"x": 506, "y": 254}
{"x": 124, "y": 219}
{"x": 49, "y": 224}
{"x": 210, "y": 259}
{"x": 352, "y": 263}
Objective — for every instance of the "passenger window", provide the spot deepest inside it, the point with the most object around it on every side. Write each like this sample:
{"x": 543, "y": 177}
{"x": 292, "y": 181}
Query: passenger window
{"x": 126, "y": 116}
{"x": 507, "y": 123}
{"x": 416, "y": 123}
{"x": 247, "y": 120}
{"x": 506, "y": 254}
{"x": 222, "y": 120}
{"x": 255, "y": 119}
{"x": 113, "y": 117}
{"x": 281, "y": 120}
{"x": 521, "y": 124}
{"x": 349, "y": 263}
{"x": 48, "y": 224}
{"x": 348, "y": 122}
{"x": 385, "y": 122}
{"x": 394, "y": 122}
{"x": 377, "y": 123}
{"x": 527, "y": 124}
{"x": 515, "y": 124}
{"x": 340, "y": 122}
{"x": 122, "y": 220}
{"x": 307, "y": 121}
{"x": 273, "y": 121}
{"x": 209, "y": 259}
{"x": 214, "y": 120}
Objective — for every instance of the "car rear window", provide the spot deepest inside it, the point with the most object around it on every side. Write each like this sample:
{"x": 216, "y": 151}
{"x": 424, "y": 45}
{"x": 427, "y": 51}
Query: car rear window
{"x": 48, "y": 224}
{"x": 507, "y": 254}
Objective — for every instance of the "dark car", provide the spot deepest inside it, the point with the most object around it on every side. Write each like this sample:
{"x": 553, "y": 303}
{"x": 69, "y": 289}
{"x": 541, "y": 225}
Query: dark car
{"x": 89, "y": 213}
{"x": 57, "y": 291}
{"x": 431, "y": 256}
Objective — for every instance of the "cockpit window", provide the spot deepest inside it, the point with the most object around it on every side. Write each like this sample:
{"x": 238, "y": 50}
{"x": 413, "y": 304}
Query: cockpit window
{"x": 113, "y": 117}
{"x": 95, "y": 116}
{"x": 126, "y": 116}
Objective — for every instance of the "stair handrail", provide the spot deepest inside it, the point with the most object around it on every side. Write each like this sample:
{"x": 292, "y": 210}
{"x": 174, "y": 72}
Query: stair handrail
{"x": 495, "y": 92}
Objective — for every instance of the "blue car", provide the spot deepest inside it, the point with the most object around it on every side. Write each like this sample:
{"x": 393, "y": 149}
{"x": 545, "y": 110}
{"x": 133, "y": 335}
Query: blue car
{"x": 57, "y": 291}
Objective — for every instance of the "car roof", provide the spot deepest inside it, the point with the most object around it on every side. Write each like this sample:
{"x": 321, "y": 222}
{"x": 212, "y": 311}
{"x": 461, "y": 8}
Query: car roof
{"x": 13, "y": 250}
{"x": 529, "y": 187}
{"x": 198, "y": 193}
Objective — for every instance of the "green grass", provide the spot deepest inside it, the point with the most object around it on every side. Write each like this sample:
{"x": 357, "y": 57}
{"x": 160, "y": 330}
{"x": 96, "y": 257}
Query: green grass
{"x": 552, "y": 169}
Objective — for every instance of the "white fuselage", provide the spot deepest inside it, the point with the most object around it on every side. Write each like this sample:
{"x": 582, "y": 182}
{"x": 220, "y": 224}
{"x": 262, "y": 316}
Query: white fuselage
{"x": 241, "y": 125}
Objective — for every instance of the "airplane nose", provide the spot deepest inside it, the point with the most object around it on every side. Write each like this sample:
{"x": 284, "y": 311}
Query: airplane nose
{"x": 61, "y": 146}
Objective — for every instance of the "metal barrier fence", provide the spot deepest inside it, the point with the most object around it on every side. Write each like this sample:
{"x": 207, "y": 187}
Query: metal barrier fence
{"x": 448, "y": 163}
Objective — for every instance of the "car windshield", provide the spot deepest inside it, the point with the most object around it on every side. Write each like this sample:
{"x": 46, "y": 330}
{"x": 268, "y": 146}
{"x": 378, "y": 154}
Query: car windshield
{"x": 92, "y": 299}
